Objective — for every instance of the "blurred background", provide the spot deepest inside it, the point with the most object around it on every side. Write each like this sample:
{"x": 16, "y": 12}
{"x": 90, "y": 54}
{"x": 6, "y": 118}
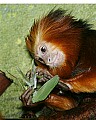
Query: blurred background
{"x": 15, "y": 23}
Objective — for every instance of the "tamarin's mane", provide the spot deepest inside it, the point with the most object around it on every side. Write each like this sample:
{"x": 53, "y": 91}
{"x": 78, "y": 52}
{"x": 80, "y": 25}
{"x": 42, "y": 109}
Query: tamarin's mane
{"x": 56, "y": 24}
{"x": 57, "y": 27}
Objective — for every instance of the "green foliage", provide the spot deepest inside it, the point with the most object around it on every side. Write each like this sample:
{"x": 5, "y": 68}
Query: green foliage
{"x": 45, "y": 90}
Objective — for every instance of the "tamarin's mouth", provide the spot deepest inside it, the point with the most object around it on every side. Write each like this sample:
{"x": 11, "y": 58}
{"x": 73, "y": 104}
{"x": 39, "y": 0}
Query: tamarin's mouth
{"x": 40, "y": 60}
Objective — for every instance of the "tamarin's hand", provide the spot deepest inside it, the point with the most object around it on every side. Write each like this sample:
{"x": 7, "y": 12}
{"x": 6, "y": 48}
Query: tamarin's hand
{"x": 42, "y": 75}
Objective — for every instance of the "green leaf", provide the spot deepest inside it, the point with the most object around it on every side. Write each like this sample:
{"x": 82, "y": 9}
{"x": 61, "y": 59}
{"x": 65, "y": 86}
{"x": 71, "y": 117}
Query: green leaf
{"x": 33, "y": 78}
{"x": 45, "y": 90}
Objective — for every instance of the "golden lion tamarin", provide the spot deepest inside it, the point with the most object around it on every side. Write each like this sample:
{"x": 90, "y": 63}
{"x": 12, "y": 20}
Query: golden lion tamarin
{"x": 64, "y": 46}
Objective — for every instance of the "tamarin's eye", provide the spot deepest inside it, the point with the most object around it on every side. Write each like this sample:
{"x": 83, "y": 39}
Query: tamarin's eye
{"x": 43, "y": 49}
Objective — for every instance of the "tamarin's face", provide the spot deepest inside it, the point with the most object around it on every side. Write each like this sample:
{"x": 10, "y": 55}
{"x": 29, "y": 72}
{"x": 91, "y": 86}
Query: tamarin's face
{"x": 48, "y": 54}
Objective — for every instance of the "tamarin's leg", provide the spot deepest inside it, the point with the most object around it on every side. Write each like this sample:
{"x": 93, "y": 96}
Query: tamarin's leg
{"x": 85, "y": 82}
{"x": 60, "y": 103}
{"x": 53, "y": 101}
{"x": 86, "y": 110}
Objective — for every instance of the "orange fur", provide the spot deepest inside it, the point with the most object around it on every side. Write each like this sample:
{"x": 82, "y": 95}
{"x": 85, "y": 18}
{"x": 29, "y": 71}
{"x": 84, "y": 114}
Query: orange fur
{"x": 76, "y": 40}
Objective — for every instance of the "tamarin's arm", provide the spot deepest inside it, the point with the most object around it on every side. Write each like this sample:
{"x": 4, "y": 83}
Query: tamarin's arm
{"x": 84, "y": 82}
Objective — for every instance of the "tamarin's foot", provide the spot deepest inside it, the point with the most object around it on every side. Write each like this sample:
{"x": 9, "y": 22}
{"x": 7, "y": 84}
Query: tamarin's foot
{"x": 26, "y": 97}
